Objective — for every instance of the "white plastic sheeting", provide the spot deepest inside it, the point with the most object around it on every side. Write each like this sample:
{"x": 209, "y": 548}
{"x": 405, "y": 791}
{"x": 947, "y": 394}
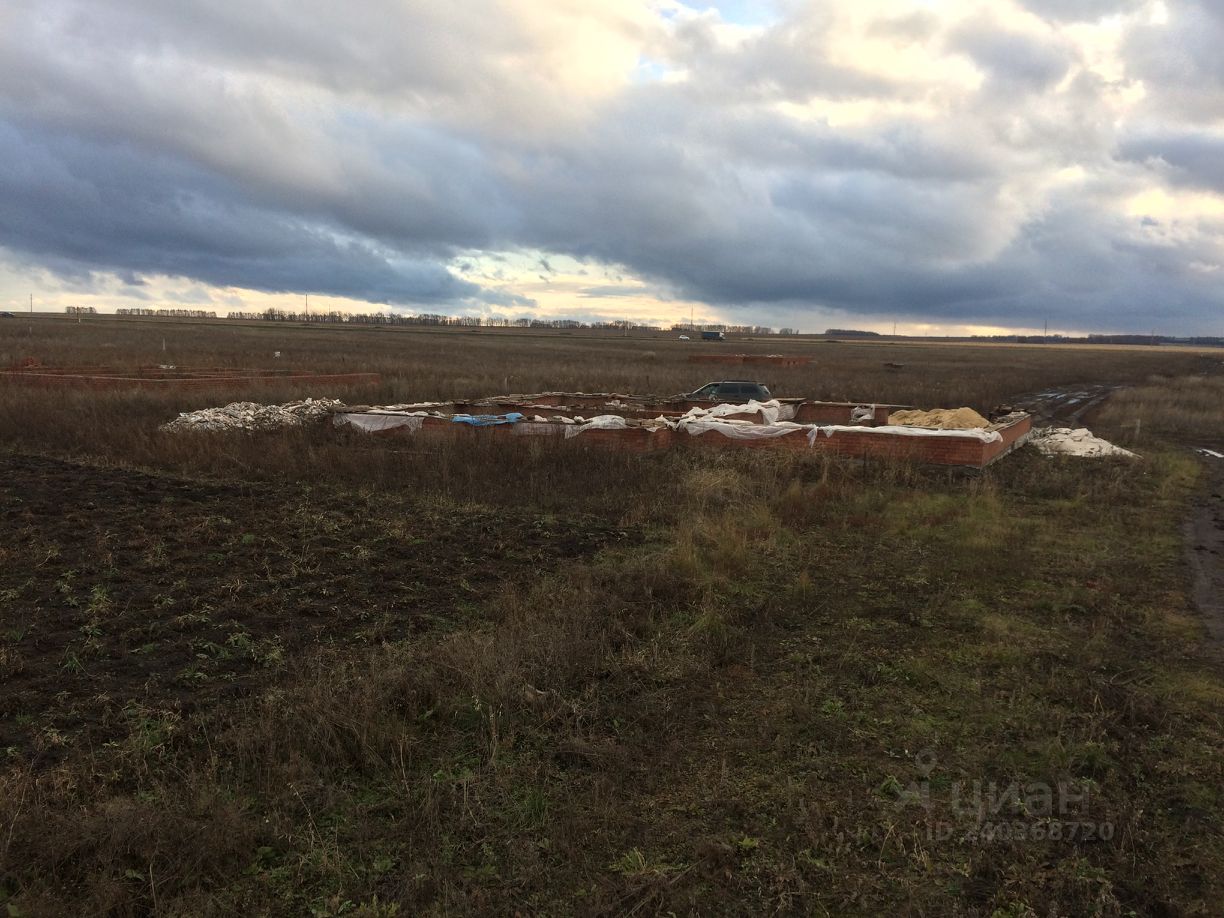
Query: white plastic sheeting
{"x": 377, "y": 421}
{"x": 413, "y": 408}
{"x": 986, "y": 436}
{"x": 738, "y": 430}
{"x": 1065, "y": 441}
{"x": 771, "y": 411}
{"x": 602, "y": 422}
{"x": 696, "y": 422}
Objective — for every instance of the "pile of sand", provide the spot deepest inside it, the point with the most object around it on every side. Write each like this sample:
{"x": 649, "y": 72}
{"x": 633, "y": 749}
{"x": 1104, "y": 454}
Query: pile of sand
{"x": 1063, "y": 441}
{"x": 942, "y": 418}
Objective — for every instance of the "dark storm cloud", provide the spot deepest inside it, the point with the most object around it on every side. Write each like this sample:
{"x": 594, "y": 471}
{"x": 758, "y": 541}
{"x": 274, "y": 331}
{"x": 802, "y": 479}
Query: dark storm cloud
{"x": 360, "y": 150}
{"x": 79, "y": 206}
{"x": 377, "y": 46}
{"x": 1193, "y": 159}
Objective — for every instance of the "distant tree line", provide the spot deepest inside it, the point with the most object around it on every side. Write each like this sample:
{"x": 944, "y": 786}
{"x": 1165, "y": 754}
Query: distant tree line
{"x": 1150, "y": 340}
{"x": 165, "y": 313}
{"x": 851, "y": 333}
{"x": 395, "y": 318}
{"x": 726, "y": 329}
{"x": 334, "y": 317}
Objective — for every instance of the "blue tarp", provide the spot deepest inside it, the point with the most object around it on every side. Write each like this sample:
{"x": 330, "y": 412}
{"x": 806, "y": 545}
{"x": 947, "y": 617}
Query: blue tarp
{"x": 487, "y": 420}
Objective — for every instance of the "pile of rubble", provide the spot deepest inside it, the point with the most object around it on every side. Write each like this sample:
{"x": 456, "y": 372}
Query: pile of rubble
{"x": 1065, "y": 441}
{"x": 254, "y": 416}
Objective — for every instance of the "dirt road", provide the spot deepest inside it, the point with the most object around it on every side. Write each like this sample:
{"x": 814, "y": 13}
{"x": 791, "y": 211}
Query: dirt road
{"x": 1205, "y": 547}
{"x": 1063, "y": 407}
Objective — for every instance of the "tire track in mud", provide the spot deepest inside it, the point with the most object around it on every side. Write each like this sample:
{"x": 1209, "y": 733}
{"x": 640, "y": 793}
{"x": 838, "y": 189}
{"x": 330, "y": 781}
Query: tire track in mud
{"x": 1064, "y": 407}
{"x": 1204, "y": 532}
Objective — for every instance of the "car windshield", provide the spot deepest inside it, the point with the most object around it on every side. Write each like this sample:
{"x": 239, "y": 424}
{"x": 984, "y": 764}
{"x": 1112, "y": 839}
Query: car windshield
{"x": 744, "y": 392}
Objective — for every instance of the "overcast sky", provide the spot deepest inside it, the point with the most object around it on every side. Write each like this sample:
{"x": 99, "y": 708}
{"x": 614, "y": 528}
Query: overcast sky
{"x": 948, "y": 165}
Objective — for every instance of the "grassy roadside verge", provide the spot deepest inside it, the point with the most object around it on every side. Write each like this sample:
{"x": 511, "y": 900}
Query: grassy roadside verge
{"x": 1164, "y": 409}
{"x": 793, "y": 697}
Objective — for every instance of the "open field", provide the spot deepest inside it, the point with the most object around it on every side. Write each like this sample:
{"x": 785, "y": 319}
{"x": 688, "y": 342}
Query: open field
{"x": 312, "y": 673}
{"x": 429, "y": 363}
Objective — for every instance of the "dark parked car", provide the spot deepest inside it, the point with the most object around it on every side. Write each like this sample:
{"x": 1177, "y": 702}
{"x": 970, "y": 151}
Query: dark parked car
{"x": 6, "y": 315}
{"x": 731, "y": 391}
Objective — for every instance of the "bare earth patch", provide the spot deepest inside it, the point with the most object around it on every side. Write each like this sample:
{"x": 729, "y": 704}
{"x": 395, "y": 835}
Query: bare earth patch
{"x": 127, "y": 595}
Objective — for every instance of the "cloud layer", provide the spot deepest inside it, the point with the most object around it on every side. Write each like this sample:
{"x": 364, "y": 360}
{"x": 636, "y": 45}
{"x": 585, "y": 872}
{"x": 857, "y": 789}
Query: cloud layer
{"x": 972, "y": 164}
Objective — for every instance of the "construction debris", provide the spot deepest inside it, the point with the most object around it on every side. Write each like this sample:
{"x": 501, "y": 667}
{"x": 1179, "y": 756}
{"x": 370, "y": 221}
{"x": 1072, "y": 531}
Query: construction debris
{"x": 940, "y": 418}
{"x": 1066, "y": 441}
{"x": 756, "y": 424}
{"x": 254, "y": 416}
{"x": 771, "y": 411}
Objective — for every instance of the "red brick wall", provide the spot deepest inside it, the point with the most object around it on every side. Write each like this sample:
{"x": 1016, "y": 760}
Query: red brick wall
{"x": 936, "y": 450}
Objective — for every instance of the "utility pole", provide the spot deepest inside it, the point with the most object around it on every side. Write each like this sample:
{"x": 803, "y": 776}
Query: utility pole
{"x": 308, "y": 307}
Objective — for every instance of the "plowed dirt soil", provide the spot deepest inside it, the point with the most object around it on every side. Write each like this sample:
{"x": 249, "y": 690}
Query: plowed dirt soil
{"x": 128, "y": 597}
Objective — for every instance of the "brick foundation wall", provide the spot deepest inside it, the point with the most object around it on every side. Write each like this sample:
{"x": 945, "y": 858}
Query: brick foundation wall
{"x": 948, "y": 449}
